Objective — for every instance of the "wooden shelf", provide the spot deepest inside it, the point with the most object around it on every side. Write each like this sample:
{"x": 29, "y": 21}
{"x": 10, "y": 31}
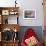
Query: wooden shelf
{"x": 11, "y": 26}
{"x": 9, "y": 43}
{"x": 4, "y": 24}
{"x": 9, "y": 8}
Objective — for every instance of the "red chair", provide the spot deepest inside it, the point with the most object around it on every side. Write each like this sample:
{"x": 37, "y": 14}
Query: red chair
{"x": 29, "y": 33}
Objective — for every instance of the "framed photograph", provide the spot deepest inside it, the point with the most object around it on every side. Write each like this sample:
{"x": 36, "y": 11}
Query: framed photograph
{"x": 5, "y": 12}
{"x": 29, "y": 14}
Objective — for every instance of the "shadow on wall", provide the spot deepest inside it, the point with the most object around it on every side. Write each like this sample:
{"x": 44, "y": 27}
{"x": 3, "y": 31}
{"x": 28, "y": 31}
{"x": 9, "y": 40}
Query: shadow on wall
{"x": 37, "y": 29}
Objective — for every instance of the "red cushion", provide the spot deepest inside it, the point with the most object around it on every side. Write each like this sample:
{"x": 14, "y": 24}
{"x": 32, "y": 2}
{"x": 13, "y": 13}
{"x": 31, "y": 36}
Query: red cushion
{"x": 29, "y": 33}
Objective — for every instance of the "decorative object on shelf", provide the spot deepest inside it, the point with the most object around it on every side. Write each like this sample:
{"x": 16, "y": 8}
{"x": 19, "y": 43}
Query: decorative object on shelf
{"x": 15, "y": 30}
{"x": 15, "y": 34}
{"x": 6, "y": 21}
{"x": 7, "y": 34}
{"x": 29, "y": 14}
{"x": 13, "y": 12}
{"x": 5, "y": 12}
{"x": 15, "y": 37}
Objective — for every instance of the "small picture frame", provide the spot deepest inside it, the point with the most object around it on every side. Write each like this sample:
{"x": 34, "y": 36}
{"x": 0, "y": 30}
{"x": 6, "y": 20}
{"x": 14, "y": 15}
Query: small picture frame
{"x": 29, "y": 14}
{"x": 5, "y": 12}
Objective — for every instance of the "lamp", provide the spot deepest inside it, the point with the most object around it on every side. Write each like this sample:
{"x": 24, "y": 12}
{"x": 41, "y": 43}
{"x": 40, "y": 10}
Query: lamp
{"x": 15, "y": 3}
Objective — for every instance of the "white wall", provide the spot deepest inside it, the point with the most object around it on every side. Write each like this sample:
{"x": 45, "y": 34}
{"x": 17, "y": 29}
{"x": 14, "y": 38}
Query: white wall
{"x": 32, "y": 4}
{"x": 27, "y": 4}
